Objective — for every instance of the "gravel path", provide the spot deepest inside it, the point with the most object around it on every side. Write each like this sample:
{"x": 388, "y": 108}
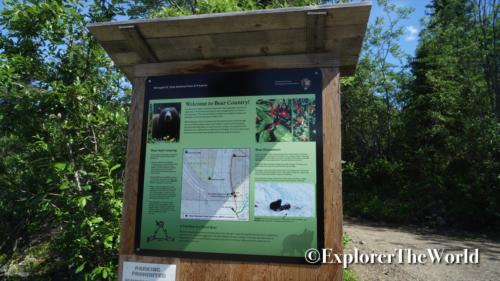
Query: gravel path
{"x": 369, "y": 238}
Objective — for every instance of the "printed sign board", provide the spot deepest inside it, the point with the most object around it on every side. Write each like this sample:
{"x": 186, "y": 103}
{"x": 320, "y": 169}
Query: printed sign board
{"x": 140, "y": 271}
{"x": 231, "y": 165}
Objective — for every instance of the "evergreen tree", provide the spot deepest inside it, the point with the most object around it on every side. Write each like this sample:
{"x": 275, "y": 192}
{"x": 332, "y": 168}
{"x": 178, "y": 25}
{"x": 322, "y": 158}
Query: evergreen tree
{"x": 372, "y": 173}
{"x": 451, "y": 136}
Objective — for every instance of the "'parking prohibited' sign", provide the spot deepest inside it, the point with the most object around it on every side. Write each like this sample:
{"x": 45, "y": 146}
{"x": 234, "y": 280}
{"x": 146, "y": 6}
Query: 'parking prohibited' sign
{"x": 139, "y": 271}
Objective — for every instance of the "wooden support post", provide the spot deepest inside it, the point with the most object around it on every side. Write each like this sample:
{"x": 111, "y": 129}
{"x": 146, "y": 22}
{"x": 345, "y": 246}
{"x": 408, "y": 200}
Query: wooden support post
{"x": 138, "y": 44}
{"x": 128, "y": 221}
{"x": 332, "y": 167}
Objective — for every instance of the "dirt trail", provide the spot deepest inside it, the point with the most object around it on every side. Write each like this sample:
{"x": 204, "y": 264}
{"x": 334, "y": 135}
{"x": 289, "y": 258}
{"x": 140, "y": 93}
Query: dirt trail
{"x": 369, "y": 238}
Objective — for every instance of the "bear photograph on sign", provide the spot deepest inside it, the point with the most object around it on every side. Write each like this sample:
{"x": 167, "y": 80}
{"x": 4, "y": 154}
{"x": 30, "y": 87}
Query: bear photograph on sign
{"x": 165, "y": 122}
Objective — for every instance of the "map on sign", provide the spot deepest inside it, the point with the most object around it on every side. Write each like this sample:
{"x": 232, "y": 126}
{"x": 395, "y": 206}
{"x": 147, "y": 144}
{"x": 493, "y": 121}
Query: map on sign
{"x": 215, "y": 184}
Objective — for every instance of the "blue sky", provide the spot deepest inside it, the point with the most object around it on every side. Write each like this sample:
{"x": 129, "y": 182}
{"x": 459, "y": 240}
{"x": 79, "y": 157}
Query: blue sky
{"x": 412, "y": 24}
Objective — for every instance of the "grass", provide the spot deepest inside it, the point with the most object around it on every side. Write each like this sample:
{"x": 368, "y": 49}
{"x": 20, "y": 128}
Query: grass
{"x": 348, "y": 274}
{"x": 32, "y": 263}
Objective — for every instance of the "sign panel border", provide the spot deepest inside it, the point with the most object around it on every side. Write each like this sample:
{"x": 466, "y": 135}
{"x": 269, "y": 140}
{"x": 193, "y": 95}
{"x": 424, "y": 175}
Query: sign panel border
{"x": 252, "y": 80}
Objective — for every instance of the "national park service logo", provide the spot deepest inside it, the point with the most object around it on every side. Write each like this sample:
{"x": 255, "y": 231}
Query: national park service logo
{"x": 306, "y": 83}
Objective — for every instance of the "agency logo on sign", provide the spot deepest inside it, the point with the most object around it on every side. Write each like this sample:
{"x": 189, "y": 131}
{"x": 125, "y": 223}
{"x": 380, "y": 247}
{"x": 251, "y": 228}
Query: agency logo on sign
{"x": 160, "y": 233}
{"x": 306, "y": 83}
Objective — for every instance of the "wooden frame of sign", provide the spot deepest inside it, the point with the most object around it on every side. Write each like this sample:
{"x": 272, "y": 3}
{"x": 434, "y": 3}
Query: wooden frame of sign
{"x": 328, "y": 37}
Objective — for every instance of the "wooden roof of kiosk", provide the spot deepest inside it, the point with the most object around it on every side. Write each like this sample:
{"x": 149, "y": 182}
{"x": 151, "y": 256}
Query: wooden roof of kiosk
{"x": 314, "y": 36}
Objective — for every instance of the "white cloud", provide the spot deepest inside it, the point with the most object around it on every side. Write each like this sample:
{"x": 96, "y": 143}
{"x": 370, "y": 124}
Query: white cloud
{"x": 411, "y": 33}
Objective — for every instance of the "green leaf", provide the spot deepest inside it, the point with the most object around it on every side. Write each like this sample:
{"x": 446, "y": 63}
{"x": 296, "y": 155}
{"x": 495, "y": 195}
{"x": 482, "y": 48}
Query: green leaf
{"x": 266, "y": 118}
{"x": 261, "y": 127}
{"x": 63, "y": 186}
{"x": 80, "y": 267}
{"x": 264, "y": 136}
{"x": 96, "y": 220}
{"x": 108, "y": 242}
{"x": 60, "y": 166}
{"x": 82, "y": 201}
{"x": 263, "y": 107}
{"x": 114, "y": 168}
{"x": 282, "y": 134}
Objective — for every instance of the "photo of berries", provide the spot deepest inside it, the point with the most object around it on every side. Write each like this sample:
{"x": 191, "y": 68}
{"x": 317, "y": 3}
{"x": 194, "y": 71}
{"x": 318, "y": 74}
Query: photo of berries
{"x": 304, "y": 120}
{"x": 286, "y": 120}
{"x": 274, "y": 120}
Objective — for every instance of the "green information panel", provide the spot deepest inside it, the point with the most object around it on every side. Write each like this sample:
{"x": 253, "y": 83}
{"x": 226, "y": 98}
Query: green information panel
{"x": 231, "y": 166}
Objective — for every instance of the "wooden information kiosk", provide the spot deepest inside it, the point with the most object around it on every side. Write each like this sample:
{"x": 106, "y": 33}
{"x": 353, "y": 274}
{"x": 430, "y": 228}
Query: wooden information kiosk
{"x": 234, "y": 149}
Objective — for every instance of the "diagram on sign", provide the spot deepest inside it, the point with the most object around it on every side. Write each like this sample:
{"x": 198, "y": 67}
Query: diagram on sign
{"x": 160, "y": 233}
{"x": 215, "y": 184}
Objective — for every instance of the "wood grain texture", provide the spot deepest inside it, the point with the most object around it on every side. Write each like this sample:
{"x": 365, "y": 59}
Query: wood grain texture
{"x": 127, "y": 235}
{"x": 128, "y": 220}
{"x": 270, "y": 19}
{"x": 137, "y": 43}
{"x": 335, "y": 48}
{"x": 239, "y": 39}
{"x": 217, "y": 270}
{"x": 337, "y": 30}
{"x": 332, "y": 169}
{"x": 315, "y": 31}
{"x": 250, "y": 63}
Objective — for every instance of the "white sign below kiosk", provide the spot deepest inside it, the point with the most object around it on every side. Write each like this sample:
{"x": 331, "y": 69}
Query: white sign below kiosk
{"x": 140, "y": 271}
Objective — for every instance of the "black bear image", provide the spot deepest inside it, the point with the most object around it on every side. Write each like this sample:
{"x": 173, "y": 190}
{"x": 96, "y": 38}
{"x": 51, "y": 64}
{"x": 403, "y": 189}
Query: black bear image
{"x": 276, "y": 206}
{"x": 166, "y": 124}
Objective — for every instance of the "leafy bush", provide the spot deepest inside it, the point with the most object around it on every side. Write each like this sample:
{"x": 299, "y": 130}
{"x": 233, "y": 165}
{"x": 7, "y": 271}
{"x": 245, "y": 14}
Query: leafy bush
{"x": 63, "y": 120}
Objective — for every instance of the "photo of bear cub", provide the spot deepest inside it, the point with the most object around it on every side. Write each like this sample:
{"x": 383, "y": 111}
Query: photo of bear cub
{"x": 166, "y": 122}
